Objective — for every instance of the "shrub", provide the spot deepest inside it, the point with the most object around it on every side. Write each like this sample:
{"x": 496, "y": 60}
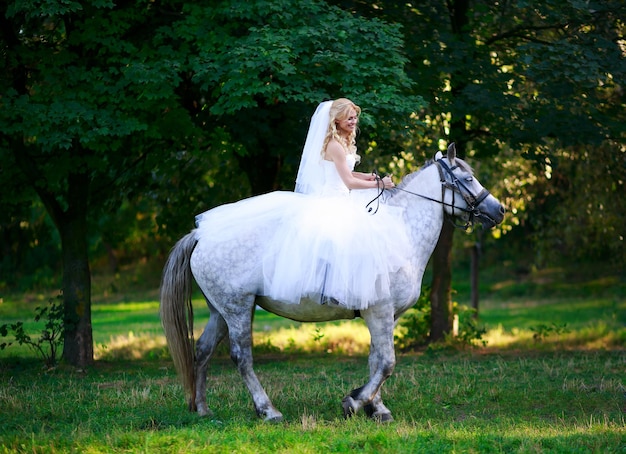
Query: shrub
{"x": 541, "y": 331}
{"x": 414, "y": 326}
{"x": 47, "y": 345}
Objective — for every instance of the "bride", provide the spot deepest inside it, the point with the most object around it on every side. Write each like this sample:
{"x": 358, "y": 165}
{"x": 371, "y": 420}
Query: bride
{"x": 327, "y": 245}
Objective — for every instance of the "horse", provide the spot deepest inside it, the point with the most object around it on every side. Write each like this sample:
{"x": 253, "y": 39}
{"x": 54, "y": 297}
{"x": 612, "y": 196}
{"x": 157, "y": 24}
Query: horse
{"x": 444, "y": 188}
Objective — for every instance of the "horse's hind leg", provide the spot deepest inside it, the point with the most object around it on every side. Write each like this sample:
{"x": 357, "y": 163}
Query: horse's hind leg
{"x": 239, "y": 320}
{"x": 212, "y": 335}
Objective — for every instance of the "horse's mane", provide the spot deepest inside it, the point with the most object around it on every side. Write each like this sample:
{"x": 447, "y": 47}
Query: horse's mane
{"x": 408, "y": 178}
{"x": 411, "y": 176}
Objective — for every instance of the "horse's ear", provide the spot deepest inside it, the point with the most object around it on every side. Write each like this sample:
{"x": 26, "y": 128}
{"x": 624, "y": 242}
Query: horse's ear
{"x": 451, "y": 153}
{"x": 438, "y": 156}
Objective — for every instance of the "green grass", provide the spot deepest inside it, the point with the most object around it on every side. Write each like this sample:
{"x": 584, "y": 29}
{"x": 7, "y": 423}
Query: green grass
{"x": 461, "y": 402}
{"x": 560, "y": 392}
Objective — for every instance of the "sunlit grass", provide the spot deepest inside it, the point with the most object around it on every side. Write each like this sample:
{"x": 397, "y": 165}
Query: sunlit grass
{"x": 352, "y": 338}
{"x": 595, "y": 336}
{"x": 131, "y": 346}
{"x": 132, "y": 330}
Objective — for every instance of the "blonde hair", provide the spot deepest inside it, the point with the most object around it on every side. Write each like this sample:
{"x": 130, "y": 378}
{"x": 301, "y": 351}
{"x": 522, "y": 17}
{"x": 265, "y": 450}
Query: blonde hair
{"x": 339, "y": 110}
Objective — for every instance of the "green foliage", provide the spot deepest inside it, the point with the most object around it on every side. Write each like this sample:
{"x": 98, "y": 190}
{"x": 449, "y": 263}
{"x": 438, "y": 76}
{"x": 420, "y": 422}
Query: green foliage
{"x": 262, "y": 67}
{"x": 31, "y": 246}
{"x": 542, "y": 331}
{"x": 47, "y": 344}
{"x": 579, "y": 210}
{"x": 415, "y": 327}
{"x": 250, "y": 53}
{"x": 415, "y": 323}
{"x": 535, "y": 88}
{"x": 470, "y": 332}
{"x": 318, "y": 335}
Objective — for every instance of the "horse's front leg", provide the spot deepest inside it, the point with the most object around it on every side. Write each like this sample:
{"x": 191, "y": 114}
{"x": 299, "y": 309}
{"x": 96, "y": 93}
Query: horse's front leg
{"x": 382, "y": 360}
{"x": 377, "y": 410}
{"x": 239, "y": 321}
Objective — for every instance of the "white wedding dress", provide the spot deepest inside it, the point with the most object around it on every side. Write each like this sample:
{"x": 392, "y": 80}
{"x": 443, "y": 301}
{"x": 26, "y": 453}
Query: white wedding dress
{"x": 326, "y": 247}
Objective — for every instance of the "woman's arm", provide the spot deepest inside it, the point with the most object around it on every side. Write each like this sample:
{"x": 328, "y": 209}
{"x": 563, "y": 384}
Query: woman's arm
{"x": 336, "y": 153}
{"x": 364, "y": 176}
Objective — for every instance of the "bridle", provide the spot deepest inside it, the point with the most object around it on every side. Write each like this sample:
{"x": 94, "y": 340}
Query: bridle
{"x": 459, "y": 187}
{"x": 448, "y": 181}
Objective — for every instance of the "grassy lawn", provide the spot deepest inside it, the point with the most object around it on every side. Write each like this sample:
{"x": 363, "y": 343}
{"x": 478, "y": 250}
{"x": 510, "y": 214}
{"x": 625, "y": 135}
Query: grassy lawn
{"x": 561, "y": 391}
{"x": 460, "y": 402}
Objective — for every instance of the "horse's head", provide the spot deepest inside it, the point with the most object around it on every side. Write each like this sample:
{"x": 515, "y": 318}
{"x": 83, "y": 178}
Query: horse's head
{"x": 463, "y": 195}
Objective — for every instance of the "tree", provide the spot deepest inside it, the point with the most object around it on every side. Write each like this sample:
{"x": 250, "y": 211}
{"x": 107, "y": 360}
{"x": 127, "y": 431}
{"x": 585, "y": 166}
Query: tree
{"x": 83, "y": 112}
{"x": 103, "y": 101}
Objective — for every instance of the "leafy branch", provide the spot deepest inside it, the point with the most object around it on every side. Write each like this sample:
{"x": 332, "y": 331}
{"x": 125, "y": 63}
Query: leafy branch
{"x": 542, "y": 331}
{"x": 47, "y": 344}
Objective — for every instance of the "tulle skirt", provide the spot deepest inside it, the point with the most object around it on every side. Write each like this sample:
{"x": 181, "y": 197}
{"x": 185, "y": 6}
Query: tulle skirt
{"x": 328, "y": 249}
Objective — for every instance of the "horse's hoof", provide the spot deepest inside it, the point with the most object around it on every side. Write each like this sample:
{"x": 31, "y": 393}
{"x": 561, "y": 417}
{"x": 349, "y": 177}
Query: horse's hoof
{"x": 382, "y": 417}
{"x": 350, "y": 407}
{"x": 271, "y": 415}
{"x": 274, "y": 419}
{"x": 203, "y": 411}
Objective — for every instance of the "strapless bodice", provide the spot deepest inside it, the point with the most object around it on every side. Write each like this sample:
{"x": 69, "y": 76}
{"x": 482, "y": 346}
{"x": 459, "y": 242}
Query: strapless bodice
{"x": 333, "y": 184}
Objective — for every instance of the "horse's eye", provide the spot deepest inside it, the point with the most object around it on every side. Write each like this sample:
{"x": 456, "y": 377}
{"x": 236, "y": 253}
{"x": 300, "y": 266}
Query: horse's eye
{"x": 469, "y": 179}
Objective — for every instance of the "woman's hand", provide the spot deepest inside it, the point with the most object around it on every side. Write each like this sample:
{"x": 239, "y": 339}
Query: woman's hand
{"x": 386, "y": 181}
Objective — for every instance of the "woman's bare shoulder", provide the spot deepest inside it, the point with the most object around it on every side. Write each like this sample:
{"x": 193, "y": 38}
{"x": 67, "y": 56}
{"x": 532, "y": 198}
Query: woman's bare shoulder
{"x": 334, "y": 150}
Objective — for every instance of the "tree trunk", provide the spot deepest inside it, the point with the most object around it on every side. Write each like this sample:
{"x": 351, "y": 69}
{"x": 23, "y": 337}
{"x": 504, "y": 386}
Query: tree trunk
{"x": 441, "y": 317}
{"x": 475, "y": 251}
{"x": 70, "y": 219}
{"x": 78, "y": 337}
{"x": 441, "y": 320}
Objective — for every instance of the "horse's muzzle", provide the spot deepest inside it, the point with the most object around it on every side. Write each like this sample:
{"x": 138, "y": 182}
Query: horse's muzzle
{"x": 490, "y": 218}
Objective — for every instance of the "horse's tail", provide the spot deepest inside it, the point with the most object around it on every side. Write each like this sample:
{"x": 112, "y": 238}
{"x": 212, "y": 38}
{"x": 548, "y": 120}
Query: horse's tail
{"x": 177, "y": 313}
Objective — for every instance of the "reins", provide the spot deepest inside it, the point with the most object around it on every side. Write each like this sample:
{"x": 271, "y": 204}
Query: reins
{"x": 380, "y": 193}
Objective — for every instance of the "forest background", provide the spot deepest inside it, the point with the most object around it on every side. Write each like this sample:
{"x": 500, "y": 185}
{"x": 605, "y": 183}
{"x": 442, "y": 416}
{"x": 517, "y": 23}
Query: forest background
{"x": 119, "y": 121}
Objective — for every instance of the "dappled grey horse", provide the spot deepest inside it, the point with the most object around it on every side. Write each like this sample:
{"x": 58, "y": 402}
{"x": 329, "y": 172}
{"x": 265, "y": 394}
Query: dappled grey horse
{"x": 232, "y": 288}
